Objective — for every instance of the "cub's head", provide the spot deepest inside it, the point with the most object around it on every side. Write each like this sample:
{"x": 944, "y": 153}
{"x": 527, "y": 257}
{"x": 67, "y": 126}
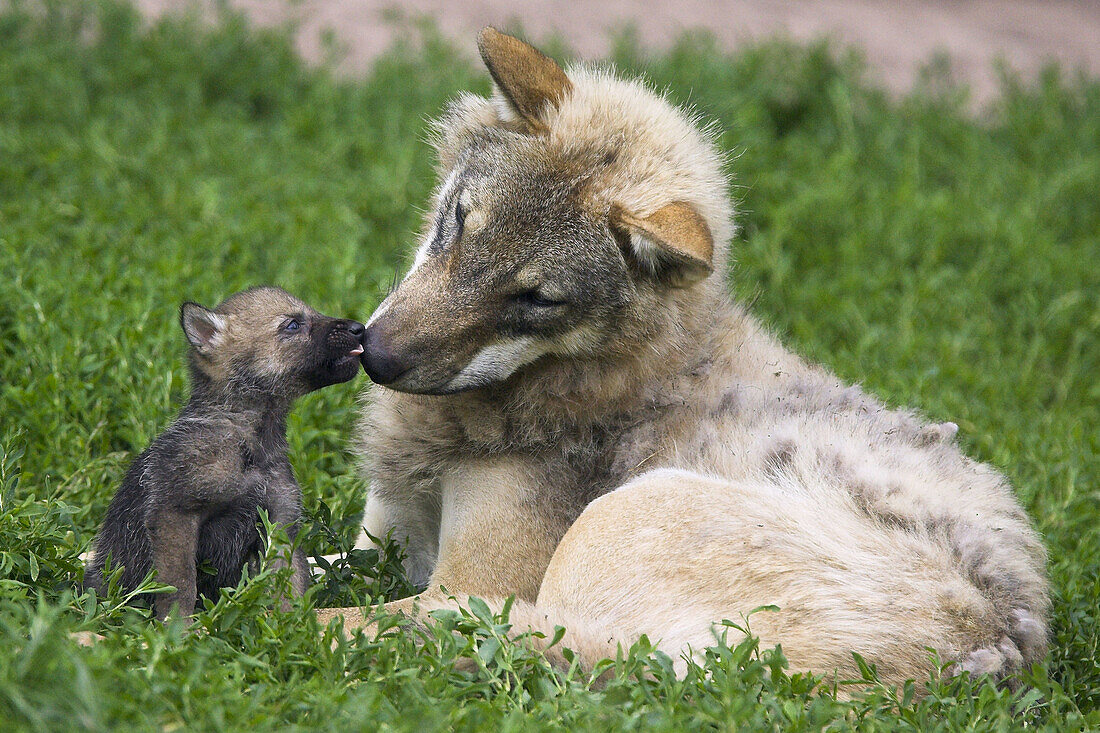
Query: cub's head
{"x": 573, "y": 211}
{"x": 265, "y": 340}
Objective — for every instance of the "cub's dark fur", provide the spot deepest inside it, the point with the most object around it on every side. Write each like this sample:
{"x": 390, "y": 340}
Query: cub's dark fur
{"x": 190, "y": 501}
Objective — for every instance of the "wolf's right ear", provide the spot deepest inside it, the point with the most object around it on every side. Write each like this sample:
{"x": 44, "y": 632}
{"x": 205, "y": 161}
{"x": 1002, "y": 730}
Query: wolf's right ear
{"x": 673, "y": 243}
{"x": 529, "y": 80}
{"x": 203, "y": 327}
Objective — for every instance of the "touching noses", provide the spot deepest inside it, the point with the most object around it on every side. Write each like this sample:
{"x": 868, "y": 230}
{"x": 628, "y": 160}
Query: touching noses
{"x": 380, "y": 361}
{"x": 355, "y": 328}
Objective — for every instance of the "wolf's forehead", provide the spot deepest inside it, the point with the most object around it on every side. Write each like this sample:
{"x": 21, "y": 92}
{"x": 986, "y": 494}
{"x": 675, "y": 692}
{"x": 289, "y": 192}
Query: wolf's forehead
{"x": 517, "y": 201}
{"x": 520, "y": 195}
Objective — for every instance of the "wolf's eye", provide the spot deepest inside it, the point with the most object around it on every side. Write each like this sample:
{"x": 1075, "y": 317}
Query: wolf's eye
{"x": 460, "y": 219}
{"x": 534, "y": 299}
{"x": 292, "y": 326}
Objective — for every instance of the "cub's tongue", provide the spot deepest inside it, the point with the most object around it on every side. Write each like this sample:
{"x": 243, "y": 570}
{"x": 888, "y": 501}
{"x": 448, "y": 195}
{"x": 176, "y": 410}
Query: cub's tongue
{"x": 356, "y": 351}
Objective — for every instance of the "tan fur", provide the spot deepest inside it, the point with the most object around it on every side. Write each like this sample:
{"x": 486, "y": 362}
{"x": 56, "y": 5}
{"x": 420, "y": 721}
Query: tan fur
{"x": 529, "y": 78}
{"x": 678, "y": 232}
{"x": 661, "y": 463}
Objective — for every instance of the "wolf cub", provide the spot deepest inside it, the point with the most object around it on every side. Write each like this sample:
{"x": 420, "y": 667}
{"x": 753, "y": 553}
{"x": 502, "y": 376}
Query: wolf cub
{"x": 188, "y": 505}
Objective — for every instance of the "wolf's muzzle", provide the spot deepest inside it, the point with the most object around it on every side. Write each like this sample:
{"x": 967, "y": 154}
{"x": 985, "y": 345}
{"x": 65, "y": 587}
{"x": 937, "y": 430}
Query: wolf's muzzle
{"x": 380, "y": 362}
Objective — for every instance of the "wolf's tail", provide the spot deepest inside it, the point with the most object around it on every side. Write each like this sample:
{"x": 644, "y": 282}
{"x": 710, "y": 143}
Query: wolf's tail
{"x": 1007, "y": 565}
{"x": 1023, "y": 644}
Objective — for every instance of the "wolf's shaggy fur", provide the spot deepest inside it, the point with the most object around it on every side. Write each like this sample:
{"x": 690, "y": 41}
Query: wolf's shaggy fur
{"x": 650, "y": 459}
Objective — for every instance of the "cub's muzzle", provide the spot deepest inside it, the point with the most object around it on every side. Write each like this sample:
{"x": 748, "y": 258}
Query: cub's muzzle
{"x": 341, "y": 347}
{"x": 345, "y": 337}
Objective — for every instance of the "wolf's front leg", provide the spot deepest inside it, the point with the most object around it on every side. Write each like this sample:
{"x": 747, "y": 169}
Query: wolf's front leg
{"x": 414, "y": 521}
{"x": 498, "y": 530}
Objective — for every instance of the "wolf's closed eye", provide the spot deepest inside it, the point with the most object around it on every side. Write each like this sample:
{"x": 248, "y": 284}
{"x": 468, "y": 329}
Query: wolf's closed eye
{"x": 535, "y": 299}
{"x": 460, "y": 219}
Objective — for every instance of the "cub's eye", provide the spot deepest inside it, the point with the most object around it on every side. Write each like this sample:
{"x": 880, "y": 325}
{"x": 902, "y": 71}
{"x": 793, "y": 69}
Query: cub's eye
{"x": 292, "y": 326}
{"x": 534, "y": 299}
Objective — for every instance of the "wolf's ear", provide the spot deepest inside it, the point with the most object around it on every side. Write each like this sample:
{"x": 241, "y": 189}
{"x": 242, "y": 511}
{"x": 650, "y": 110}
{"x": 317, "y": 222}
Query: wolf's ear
{"x": 203, "y": 327}
{"x": 674, "y": 242}
{"x": 529, "y": 79}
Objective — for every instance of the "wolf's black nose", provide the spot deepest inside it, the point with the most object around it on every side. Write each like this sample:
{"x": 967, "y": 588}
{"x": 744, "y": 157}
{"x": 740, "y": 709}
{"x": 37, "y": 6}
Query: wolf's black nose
{"x": 379, "y": 361}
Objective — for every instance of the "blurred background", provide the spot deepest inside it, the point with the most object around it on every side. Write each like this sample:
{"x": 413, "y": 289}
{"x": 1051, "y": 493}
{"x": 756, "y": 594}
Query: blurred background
{"x": 897, "y": 37}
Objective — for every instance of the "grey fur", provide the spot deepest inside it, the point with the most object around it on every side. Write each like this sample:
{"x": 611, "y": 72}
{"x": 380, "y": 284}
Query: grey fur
{"x": 192, "y": 498}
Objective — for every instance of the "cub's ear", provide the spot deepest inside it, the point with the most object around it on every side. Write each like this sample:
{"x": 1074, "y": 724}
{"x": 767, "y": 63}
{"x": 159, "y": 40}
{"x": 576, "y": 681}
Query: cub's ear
{"x": 529, "y": 80}
{"x": 203, "y": 327}
{"x": 674, "y": 242}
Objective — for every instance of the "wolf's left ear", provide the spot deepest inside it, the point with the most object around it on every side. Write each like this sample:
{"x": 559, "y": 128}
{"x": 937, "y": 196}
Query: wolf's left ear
{"x": 530, "y": 80}
{"x": 203, "y": 327}
{"x": 674, "y": 242}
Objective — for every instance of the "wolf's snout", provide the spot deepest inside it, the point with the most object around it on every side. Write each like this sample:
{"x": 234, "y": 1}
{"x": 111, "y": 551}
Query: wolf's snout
{"x": 380, "y": 361}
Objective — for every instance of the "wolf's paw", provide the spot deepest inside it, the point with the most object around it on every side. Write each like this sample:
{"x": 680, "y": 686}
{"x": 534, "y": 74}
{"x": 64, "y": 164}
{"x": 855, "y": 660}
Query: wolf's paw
{"x": 1025, "y": 643}
{"x": 86, "y": 638}
{"x": 987, "y": 660}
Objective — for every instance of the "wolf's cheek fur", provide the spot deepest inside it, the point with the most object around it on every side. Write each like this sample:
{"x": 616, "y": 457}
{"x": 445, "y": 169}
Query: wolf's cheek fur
{"x": 497, "y": 362}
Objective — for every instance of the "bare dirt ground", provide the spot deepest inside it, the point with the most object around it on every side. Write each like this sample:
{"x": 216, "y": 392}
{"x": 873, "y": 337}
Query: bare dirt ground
{"x": 897, "y": 36}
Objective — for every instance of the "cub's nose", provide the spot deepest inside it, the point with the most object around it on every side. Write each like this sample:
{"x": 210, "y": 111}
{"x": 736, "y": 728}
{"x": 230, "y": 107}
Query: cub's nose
{"x": 355, "y": 328}
{"x": 347, "y": 334}
{"x": 380, "y": 362}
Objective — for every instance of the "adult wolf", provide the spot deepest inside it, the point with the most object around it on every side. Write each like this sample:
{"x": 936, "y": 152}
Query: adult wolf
{"x": 576, "y": 413}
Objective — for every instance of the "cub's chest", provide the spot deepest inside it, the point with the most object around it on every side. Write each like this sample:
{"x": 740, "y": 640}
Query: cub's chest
{"x": 264, "y": 474}
{"x": 237, "y": 474}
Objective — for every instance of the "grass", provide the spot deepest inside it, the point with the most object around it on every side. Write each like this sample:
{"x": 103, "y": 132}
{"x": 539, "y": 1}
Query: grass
{"x": 946, "y": 261}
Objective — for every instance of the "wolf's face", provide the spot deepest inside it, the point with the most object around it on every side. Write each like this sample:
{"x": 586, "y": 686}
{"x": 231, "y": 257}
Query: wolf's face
{"x": 531, "y": 253}
{"x": 266, "y": 339}
{"x": 512, "y": 268}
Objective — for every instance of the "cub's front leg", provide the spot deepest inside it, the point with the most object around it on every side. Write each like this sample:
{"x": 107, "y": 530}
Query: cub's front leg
{"x": 284, "y": 508}
{"x": 174, "y": 536}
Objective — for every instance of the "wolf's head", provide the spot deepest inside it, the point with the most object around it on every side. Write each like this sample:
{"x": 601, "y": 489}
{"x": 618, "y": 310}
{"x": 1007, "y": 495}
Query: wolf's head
{"x": 265, "y": 342}
{"x": 571, "y": 207}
